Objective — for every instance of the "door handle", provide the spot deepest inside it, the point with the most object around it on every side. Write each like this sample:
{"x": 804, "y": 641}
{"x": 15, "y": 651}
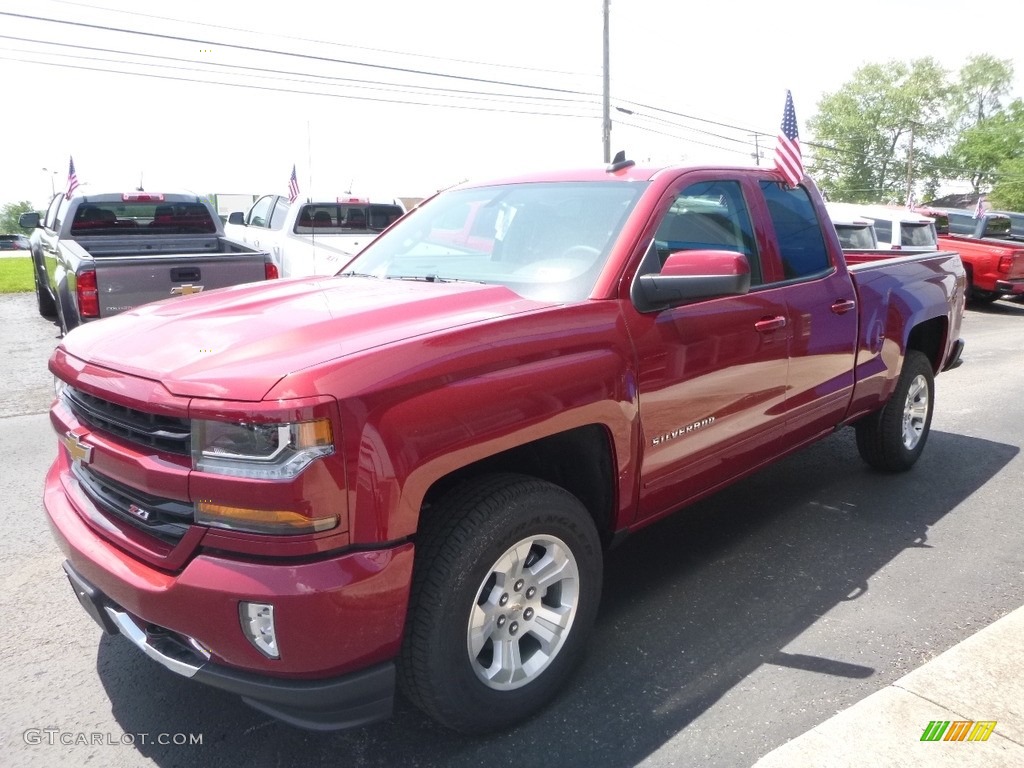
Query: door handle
{"x": 182, "y": 274}
{"x": 842, "y": 306}
{"x": 770, "y": 324}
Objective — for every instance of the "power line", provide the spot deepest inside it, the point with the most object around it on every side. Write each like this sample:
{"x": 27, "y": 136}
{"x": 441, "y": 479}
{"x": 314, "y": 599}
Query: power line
{"x": 242, "y": 69}
{"x": 307, "y": 56}
{"x": 329, "y": 42}
{"x": 305, "y": 93}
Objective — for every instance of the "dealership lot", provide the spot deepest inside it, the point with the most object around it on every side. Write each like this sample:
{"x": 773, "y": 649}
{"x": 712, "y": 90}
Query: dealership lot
{"x": 723, "y": 632}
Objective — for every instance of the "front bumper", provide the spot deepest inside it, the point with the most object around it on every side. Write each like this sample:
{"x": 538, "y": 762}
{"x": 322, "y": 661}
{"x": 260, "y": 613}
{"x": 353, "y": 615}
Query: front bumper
{"x": 339, "y": 620}
{"x": 348, "y": 701}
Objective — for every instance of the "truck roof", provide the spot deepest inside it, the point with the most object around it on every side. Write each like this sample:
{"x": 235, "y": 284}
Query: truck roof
{"x": 602, "y": 173}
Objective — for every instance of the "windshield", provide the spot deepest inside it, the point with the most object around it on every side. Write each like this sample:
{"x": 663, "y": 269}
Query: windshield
{"x": 546, "y": 241}
{"x": 860, "y": 236}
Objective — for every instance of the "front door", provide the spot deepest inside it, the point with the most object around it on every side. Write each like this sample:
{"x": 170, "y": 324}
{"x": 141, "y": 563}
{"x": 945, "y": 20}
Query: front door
{"x": 711, "y": 374}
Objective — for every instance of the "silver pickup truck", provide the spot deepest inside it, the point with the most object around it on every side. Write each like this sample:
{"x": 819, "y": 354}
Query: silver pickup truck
{"x": 96, "y": 255}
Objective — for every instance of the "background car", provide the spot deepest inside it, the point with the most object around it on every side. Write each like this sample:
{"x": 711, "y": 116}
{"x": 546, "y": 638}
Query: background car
{"x": 855, "y": 232}
{"x": 899, "y": 228}
{"x": 14, "y": 243}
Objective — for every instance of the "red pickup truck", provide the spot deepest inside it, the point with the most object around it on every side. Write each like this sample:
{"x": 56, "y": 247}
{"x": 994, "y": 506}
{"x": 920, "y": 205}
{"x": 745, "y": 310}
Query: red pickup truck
{"x": 307, "y": 491}
{"x": 995, "y": 266}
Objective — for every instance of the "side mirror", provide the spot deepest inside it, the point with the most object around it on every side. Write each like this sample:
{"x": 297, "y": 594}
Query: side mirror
{"x": 28, "y": 220}
{"x": 691, "y": 275}
{"x": 236, "y": 217}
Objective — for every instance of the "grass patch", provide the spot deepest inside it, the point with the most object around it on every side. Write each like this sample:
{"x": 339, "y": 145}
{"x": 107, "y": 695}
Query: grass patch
{"x": 16, "y": 275}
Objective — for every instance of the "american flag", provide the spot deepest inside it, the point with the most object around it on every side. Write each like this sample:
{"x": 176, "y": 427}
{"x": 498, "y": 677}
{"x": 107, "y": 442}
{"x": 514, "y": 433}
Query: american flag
{"x": 293, "y": 187}
{"x": 72, "y": 179}
{"x": 788, "y": 160}
{"x": 979, "y": 209}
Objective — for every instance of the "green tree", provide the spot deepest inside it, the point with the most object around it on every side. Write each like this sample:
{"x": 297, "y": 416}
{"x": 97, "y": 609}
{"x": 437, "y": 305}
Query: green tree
{"x": 984, "y": 81}
{"x": 9, "y": 217}
{"x": 863, "y": 132}
{"x": 988, "y": 133}
{"x": 981, "y": 149}
{"x": 1008, "y": 193}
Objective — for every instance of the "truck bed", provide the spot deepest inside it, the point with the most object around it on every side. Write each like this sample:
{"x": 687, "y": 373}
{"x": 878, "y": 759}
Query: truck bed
{"x": 130, "y": 245}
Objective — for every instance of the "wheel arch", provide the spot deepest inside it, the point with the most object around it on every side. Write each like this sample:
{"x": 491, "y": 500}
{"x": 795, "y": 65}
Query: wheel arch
{"x": 580, "y": 460}
{"x": 929, "y": 337}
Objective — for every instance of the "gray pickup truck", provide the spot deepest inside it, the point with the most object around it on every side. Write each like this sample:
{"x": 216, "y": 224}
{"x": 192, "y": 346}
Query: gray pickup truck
{"x": 96, "y": 255}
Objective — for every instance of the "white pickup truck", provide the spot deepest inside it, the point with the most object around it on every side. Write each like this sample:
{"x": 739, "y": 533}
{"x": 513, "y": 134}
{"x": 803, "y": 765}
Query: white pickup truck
{"x": 312, "y": 238}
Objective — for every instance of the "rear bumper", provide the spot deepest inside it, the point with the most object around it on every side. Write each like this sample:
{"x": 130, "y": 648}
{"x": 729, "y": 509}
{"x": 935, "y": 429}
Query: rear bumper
{"x": 339, "y": 620}
{"x": 1010, "y": 287}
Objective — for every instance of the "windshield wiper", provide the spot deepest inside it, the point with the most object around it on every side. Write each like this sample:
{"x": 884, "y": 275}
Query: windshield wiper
{"x": 434, "y": 278}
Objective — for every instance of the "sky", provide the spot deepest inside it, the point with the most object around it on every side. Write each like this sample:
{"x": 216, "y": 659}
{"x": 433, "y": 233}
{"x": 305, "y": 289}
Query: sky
{"x": 402, "y": 98}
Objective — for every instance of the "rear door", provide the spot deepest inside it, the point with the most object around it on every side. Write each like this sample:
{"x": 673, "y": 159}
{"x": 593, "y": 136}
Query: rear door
{"x": 821, "y": 312}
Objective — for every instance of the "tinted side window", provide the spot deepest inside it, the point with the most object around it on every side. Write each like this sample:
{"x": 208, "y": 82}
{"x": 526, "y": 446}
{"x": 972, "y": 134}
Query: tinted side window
{"x": 709, "y": 215}
{"x": 801, "y": 244}
{"x": 383, "y": 216}
{"x": 961, "y": 223}
{"x": 883, "y": 228}
{"x": 997, "y": 226}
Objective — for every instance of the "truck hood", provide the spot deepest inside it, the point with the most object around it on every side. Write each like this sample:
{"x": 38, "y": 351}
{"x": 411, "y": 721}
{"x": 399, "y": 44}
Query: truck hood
{"x": 236, "y": 343}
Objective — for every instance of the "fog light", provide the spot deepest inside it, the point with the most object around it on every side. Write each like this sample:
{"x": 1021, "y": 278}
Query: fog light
{"x": 258, "y": 626}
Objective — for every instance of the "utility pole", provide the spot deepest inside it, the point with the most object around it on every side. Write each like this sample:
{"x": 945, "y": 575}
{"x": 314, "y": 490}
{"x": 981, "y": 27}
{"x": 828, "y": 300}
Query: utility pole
{"x": 910, "y": 167}
{"x": 757, "y": 149}
{"x": 606, "y": 128}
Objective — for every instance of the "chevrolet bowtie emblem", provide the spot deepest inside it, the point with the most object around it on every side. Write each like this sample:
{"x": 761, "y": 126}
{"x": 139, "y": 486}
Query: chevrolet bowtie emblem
{"x": 78, "y": 450}
{"x": 186, "y": 290}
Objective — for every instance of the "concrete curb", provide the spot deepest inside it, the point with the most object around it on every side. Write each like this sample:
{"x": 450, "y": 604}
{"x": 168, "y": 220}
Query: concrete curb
{"x": 981, "y": 678}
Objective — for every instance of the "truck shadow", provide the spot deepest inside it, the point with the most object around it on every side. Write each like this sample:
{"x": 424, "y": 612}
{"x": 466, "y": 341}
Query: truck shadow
{"x": 1006, "y": 307}
{"x": 692, "y": 607}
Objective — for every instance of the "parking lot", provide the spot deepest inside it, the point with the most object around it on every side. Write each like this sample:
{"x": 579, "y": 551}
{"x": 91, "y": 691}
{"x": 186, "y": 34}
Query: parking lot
{"x": 723, "y": 632}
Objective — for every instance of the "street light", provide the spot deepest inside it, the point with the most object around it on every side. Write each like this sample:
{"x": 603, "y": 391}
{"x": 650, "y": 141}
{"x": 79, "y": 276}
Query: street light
{"x": 53, "y": 188}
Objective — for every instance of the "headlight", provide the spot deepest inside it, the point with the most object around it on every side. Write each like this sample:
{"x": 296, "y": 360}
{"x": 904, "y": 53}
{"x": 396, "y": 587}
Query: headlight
{"x": 259, "y": 451}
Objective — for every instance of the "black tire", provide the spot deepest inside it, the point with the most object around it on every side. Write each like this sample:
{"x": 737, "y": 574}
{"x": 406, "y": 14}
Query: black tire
{"x": 978, "y": 296}
{"x": 47, "y": 306}
{"x": 893, "y": 438}
{"x": 463, "y": 544}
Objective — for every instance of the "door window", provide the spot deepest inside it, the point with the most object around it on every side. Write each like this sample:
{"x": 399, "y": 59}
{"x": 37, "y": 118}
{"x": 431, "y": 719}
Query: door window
{"x": 259, "y": 214}
{"x": 709, "y": 215}
{"x": 801, "y": 244}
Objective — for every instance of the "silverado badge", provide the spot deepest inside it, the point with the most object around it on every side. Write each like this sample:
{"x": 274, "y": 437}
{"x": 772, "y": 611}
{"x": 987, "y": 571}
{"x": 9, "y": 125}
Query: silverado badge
{"x": 78, "y": 450}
